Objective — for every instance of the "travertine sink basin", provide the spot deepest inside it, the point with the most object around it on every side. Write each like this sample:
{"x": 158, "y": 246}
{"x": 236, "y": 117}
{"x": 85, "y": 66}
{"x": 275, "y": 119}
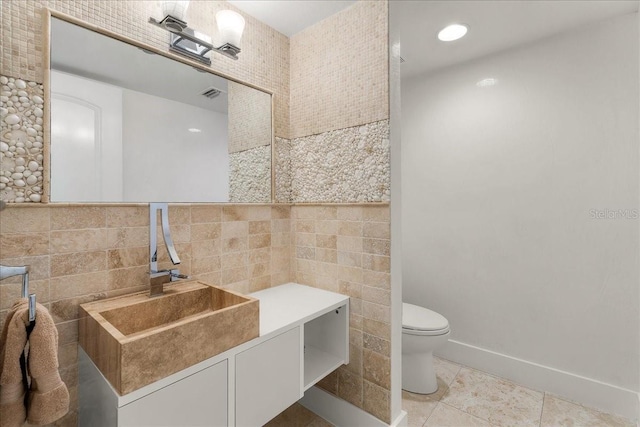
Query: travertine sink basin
{"x": 135, "y": 340}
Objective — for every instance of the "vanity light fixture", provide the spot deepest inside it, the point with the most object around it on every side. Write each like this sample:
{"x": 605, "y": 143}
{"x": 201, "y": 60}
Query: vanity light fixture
{"x": 452, "y": 32}
{"x": 195, "y": 45}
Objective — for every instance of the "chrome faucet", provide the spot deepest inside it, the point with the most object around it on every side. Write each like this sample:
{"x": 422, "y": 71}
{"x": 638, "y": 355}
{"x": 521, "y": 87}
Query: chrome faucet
{"x": 159, "y": 277}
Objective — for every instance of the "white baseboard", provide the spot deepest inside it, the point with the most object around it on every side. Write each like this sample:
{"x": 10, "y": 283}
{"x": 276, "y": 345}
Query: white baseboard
{"x": 342, "y": 413}
{"x": 605, "y": 397}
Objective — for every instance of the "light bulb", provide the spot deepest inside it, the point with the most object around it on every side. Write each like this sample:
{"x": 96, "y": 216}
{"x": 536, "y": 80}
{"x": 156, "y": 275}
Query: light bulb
{"x": 230, "y": 27}
{"x": 177, "y": 9}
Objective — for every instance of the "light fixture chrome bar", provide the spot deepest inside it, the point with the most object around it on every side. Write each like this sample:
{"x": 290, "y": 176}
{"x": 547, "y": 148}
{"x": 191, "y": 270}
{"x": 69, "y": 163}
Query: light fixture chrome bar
{"x": 180, "y": 33}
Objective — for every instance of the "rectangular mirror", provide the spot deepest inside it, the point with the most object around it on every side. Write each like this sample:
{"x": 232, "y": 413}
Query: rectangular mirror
{"x": 131, "y": 125}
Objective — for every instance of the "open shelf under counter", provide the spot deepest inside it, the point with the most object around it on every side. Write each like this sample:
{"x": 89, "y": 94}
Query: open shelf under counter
{"x": 324, "y": 320}
{"x": 318, "y": 364}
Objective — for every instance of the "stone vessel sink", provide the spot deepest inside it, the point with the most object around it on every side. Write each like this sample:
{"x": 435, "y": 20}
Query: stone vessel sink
{"x": 135, "y": 340}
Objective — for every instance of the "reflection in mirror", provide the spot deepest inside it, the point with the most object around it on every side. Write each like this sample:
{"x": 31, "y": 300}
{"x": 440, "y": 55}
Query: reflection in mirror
{"x": 128, "y": 125}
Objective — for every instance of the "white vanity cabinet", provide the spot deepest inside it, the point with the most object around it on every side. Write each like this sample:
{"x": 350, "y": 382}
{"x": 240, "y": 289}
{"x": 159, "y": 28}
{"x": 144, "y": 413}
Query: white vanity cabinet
{"x": 197, "y": 400}
{"x": 268, "y": 379}
{"x": 304, "y": 335}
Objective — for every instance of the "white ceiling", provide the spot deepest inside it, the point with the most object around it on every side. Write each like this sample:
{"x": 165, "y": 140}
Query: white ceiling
{"x": 291, "y": 16}
{"x": 493, "y": 26}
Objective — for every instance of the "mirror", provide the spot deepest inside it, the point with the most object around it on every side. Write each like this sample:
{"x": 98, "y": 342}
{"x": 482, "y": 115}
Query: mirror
{"x": 130, "y": 125}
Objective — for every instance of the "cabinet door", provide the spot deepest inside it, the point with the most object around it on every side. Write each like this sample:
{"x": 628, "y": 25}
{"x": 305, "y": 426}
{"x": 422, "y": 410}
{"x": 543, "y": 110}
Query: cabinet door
{"x": 268, "y": 379}
{"x": 198, "y": 400}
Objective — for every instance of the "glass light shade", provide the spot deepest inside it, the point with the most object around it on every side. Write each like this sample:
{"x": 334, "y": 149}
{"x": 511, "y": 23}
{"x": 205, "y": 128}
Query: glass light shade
{"x": 230, "y": 27}
{"x": 177, "y": 9}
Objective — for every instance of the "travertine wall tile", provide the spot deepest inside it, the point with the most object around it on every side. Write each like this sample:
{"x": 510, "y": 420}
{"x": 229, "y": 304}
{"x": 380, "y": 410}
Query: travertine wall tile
{"x": 24, "y": 244}
{"x": 377, "y": 400}
{"x": 330, "y": 252}
{"x": 90, "y": 239}
{"x": 76, "y": 218}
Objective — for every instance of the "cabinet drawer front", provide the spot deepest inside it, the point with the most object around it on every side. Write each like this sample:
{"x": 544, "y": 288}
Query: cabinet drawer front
{"x": 198, "y": 400}
{"x": 268, "y": 379}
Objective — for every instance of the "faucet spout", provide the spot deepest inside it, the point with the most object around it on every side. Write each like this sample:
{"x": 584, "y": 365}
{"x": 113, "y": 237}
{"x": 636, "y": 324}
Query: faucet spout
{"x": 159, "y": 277}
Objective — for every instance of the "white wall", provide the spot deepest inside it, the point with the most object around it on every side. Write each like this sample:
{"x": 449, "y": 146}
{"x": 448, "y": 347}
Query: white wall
{"x": 499, "y": 184}
{"x": 86, "y": 140}
{"x": 163, "y": 161}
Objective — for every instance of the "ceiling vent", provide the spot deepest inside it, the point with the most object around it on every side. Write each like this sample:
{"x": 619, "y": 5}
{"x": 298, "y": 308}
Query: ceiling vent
{"x": 211, "y": 92}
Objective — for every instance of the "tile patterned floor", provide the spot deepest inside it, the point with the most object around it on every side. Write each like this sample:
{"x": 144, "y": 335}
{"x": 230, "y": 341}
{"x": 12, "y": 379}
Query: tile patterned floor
{"x": 470, "y": 398}
{"x": 467, "y": 397}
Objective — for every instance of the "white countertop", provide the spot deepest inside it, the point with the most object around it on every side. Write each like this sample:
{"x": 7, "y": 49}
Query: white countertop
{"x": 290, "y": 304}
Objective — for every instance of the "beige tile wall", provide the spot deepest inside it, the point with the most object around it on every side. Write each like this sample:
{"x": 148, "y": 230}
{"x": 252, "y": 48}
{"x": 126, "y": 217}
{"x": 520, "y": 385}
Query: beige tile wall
{"x": 249, "y": 118}
{"x": 346, "y": 249}
{"x": 264, "y": 60}
{"x": 84, "y": 253}
{"x": 339, "y": 81}
{"x": 339, "y": 71}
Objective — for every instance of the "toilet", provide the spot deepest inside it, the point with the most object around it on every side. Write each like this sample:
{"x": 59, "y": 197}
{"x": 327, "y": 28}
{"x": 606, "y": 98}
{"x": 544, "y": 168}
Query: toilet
{"x": 423, "y": 331}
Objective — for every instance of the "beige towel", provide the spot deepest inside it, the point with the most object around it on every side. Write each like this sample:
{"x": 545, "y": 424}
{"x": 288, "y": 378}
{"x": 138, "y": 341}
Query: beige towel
{"x": 48, "y": 398}
{"x": 12, "y": 343}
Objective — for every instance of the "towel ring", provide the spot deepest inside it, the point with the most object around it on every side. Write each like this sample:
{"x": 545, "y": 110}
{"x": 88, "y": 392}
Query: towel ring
{"x": 9, "y": 271}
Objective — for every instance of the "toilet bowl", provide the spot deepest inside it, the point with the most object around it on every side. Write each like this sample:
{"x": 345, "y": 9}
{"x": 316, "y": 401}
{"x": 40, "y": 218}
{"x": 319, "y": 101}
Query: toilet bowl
{"x": 423, "y": 331}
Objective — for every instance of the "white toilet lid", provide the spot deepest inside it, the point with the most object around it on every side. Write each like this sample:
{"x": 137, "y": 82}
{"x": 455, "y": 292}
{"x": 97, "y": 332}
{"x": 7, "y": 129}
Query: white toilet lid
{"x": 422, "y": 319}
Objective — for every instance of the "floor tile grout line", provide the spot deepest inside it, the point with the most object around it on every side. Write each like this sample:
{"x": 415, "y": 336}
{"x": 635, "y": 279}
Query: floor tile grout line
{"x": 468, "y": 413}
{"x": 544, "y": 395}
{"x": 430, "y": 415}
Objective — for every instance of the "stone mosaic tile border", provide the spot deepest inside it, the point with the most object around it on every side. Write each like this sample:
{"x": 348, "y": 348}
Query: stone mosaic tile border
{"x": 21, "y": 140}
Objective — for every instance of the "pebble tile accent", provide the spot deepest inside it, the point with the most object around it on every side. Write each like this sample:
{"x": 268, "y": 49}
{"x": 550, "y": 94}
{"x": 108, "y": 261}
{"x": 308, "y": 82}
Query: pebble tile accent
{"x": 341, "y": 166}
{"x": 283, "y": 170}
{"x": 250, "y": 175}
{"x": 21, "y": 140}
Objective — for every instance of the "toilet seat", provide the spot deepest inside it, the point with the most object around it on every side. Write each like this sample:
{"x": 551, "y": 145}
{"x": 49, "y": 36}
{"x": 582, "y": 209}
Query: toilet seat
{"x": 418, "y": 320}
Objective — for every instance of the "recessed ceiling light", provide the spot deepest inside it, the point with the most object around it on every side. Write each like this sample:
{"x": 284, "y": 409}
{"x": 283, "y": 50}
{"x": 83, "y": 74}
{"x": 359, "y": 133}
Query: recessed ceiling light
{"x": 487, "y": 82}
{"x": 194, "y": 130}
{"x": 452, "y": 32}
